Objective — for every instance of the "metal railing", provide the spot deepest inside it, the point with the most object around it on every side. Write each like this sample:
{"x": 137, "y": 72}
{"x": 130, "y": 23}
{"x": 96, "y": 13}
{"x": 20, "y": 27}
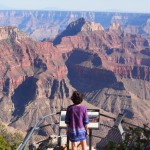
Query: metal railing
{"x": 33, "y": 129}
{"x": 108, "y": 131}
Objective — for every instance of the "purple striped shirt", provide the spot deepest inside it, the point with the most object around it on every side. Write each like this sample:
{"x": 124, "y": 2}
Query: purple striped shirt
{"x": 76, "y": 118}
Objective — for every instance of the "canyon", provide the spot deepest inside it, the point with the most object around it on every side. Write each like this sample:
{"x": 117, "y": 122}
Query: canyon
{"x": 48, "y": 24}
{"x": 110, "y": 67}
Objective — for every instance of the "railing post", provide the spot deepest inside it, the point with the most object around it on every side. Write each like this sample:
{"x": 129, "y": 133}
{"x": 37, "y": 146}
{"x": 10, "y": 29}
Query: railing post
{"x": 59, "y": 139}
{"x": 67, "y": 142}
{"x": 90, "y": 139}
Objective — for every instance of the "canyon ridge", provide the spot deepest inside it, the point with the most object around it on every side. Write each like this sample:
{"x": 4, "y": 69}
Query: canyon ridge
{"x": 110, "y": 67}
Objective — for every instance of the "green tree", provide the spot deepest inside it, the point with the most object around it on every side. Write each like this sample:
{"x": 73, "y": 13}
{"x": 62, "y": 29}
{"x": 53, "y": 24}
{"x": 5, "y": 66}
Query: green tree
{"x": 135, "y": 139}
{"x": 16, "y": 140}
{"x": 3, "y": 144}
{"x": 14, "y": 145}
{"x": 9, "y": 140}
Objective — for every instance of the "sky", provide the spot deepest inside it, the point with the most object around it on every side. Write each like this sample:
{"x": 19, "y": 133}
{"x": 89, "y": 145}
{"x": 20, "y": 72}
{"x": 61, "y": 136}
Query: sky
{"x": 82, "y": 5}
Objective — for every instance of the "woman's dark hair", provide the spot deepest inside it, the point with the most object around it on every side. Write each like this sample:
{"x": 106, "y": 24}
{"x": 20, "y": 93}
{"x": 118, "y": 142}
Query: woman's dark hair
{"x": 77, "y": 97}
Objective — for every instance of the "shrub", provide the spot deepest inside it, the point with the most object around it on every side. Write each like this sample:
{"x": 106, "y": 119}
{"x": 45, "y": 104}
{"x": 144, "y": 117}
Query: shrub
{"x": 135, "y": 139}
{"x": 9, "y": 141}
{"x": 3, "y": 144}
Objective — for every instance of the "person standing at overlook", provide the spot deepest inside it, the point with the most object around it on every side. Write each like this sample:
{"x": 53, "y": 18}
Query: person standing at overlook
{"x": 77, "y": 121}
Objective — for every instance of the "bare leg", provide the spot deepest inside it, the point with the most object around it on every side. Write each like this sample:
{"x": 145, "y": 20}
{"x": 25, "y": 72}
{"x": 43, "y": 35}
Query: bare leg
{"x": 73, "y": 145}
{"x": 83, "y": 144}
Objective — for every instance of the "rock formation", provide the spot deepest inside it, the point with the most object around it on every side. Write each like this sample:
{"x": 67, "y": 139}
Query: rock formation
{"x": 106, "y": 66}
{"x": 76, "y": 27}
{"x": 30, "y": 71}
{"x": 48, "y": 24}
{"x": 111, "y": 69}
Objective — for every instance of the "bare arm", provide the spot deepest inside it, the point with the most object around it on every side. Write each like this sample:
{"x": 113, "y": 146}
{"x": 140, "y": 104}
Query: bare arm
{"x": 86, "y": 121}
{"x": 86, "y": 128}
{"x": 67, "y": 130}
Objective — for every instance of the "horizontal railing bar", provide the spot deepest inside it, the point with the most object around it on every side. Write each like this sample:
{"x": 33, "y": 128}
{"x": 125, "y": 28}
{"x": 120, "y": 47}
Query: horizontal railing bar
{"x": 48, "y": 125}
{"x": 107, "y": 116}
{"x": 98, "y": 136}
{"x": 106, "y": 125}
{"x": 132, "y": 124}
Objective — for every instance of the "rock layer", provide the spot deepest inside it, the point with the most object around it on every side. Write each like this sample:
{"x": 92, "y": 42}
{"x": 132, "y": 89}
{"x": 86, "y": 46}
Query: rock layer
{"x": 111, "y": 69}
{"x": 48, "y": 24}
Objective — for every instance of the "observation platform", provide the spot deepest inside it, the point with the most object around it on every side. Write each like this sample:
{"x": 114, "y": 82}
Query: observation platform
{"x": 48, "y": 134}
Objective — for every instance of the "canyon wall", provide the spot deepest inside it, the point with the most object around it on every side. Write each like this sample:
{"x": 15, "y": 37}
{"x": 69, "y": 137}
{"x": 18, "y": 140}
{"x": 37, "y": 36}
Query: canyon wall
{"x": 111, "y": 68}
{"x": 48, "y": 24}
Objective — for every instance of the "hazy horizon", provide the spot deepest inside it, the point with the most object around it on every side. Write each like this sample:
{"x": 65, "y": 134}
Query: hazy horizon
{"x": 127, "y": 6}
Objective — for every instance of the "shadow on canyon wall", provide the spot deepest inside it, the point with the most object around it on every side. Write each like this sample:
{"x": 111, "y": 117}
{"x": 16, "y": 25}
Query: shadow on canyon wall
{"x": 86, "y": 73}
{"x": 23, "y": 94}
